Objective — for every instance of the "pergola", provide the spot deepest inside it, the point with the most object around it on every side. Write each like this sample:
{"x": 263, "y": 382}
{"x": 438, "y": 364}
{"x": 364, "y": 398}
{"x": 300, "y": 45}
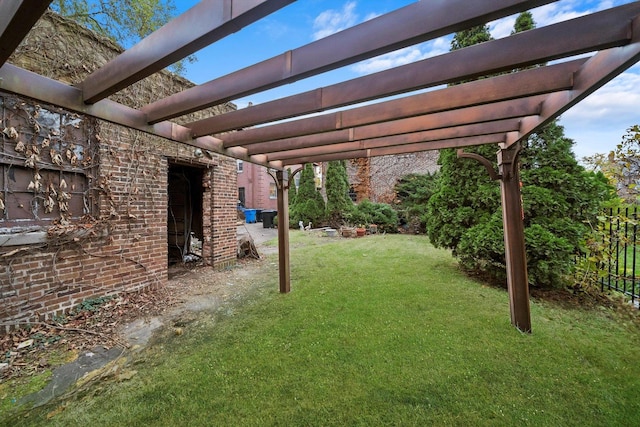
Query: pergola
{"x": 501, "y": 110}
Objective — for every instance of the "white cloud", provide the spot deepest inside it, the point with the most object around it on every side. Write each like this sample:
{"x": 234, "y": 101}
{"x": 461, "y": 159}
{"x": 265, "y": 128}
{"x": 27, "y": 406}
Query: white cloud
{"x": 556, "y": 12}
{"x": 332, "y": 21}
{"x": 389, "y": 60}
{"x": 502, "y": 27}
{"x": 598, "y": 123}
{"x": 615, "y": 103}
{"x": 403, "y": 56}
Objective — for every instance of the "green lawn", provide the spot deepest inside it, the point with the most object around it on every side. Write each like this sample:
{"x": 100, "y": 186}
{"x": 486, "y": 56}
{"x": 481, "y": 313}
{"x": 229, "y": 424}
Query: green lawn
{"x": 381, "y": 330}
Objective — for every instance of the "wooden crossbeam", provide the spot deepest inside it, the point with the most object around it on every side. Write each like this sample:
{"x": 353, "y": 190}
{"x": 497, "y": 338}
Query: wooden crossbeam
{"x": 524, "y": 83}
{"x": 465, "y": 131}
{"x": 25, "y": 83}
{"x": 17, "y": 17}
{"x": 412, "y": 24}
{"x": 198, "y": 27}
{"x": 585, "y": 34}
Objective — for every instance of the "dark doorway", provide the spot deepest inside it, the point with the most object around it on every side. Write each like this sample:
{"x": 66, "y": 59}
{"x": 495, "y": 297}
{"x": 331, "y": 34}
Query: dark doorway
{"x": 184, "y": 214}
{"x": 242, "y": 197}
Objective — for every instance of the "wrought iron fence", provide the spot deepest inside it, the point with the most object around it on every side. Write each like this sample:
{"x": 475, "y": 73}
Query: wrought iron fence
{"x": 621, "y": 270}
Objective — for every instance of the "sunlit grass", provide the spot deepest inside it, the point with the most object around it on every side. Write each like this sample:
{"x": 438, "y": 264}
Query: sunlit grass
{"x": 381, "y": 330}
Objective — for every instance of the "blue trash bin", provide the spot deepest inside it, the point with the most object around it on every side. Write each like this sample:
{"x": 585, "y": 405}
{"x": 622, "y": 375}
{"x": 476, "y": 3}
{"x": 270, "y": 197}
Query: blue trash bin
{"x": 250, "y": 215}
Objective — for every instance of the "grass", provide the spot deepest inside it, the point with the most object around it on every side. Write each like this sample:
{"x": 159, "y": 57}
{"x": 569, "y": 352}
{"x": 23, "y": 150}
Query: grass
{"x": 382, "y": 330}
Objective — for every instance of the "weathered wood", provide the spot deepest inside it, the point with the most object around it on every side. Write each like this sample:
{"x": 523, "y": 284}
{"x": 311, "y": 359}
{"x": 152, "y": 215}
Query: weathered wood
{"x": 282, "y": 181}
{"x": 516, "y": 257}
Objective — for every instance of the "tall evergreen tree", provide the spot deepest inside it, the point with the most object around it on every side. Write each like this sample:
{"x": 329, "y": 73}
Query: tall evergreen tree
{"x": 339, "y": 204}
{"x": 471, "y": 36}
{"x": 309, "y": 204}
{"x": 464, "y": 194}
{"x": 524, "y": 22}
{"x": 558, "y": 195}
{"x": 293, "y": 190}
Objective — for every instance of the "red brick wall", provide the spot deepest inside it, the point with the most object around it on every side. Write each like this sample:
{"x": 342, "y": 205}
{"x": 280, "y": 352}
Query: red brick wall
{"x": 222, "y": 215}
{"x": 128, "y": 251}
{"x": 256, "y": 180}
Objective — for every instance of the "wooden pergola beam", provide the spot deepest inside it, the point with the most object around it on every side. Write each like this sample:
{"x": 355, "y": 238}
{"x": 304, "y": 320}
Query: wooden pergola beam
{"x": 409, "y": 25}
{"x": 595, "y": 73}
{"x": 445, "y": 120}
{"x": 465, "y": 131}
{"x": 581, "y": 35}
{"x": 17, "y": 17}
{"x": 509, "y": 86}
{"x": 403, "y": 149}
{"x": 198, "y": 27}
{"x": 26, "y": 83}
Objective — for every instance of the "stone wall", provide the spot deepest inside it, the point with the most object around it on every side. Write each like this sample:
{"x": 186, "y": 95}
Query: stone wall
{"x": 121, "y": 246}
{"x": 375, "y": 178}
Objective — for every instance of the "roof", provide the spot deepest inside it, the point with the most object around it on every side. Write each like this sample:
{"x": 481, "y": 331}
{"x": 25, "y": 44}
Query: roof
{"x": 503, "y": 109}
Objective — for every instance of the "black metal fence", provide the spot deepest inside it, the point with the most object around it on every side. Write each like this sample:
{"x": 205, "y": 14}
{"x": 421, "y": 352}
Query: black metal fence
{"x": 621, "y": 268}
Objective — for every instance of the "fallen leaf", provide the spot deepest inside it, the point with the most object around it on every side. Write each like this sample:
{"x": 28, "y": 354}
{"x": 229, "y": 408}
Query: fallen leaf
{"x": 25, "y": 344}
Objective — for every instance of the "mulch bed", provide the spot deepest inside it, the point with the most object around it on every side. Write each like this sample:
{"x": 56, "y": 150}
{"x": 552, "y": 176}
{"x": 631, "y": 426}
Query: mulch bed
{"x": 27, "y": 351}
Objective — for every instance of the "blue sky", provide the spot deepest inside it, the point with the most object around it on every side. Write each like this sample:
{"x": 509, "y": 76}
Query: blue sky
{"x": 596, "y": 124}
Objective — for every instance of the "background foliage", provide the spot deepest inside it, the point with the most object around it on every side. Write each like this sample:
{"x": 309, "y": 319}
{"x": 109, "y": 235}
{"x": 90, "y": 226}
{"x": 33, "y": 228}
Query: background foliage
{"x": 308, "y": 205}
{"x": 559, "y": 195}
{"x": 413, "y": 191}
{"x": 339, "y": 204}
{"x": 124, "y": 21}
{"x": 380, "y": 214}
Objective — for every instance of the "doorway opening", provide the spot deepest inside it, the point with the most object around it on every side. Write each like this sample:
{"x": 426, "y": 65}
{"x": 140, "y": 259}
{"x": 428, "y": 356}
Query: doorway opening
{"x": 184, "y": 214}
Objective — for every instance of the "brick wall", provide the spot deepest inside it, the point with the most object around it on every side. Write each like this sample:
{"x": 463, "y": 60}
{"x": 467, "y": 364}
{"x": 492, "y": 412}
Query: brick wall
{"x": 256, "y": 181}
{"x": 122, "y": 247}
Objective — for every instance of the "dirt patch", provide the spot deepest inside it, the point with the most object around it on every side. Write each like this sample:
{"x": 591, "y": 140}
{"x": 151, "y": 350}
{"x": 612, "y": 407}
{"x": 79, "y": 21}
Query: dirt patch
{"x": 128, "y": 321}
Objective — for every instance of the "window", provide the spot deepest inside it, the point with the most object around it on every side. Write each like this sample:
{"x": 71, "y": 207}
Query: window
{"x": 47, "y": 162}
{"x": 239, "y": 166}
{"x": 273, "y": 190}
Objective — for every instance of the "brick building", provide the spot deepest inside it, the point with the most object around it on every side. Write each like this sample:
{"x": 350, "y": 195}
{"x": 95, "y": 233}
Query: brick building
{"x": 90, "y": 208}
{"x": 256, "y": 188}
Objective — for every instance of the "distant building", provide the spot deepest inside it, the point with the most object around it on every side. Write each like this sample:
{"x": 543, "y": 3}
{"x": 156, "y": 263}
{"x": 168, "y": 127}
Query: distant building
{"x": 375, "y": 178}
{"x": 369, "y": 178}
{"x": 258, "y": 190}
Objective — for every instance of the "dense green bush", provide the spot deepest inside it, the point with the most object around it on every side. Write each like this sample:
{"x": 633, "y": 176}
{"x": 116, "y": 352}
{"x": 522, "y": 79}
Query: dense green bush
{"x": 558, "y": 195}
{"x": 413, "y": 191}
{"x": 339, "y": 204}
{"x": 308, "y": 206}
{"x": 381, "y": 214}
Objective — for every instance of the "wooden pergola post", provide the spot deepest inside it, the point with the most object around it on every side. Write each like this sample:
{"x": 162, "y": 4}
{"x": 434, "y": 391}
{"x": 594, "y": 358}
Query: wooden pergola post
{"x": 512, "y": 217}
{"x": 284, "y": 269}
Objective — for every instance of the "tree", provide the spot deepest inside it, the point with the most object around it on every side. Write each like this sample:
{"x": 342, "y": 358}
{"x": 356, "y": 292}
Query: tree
{"x": 524, "y": 22}
{"x": 622, "y": 165}
{"x": 471, "y": 36}
{"x": 309, "y": 204}
{"x": 339, "y": 204}
{"x": 464, "y": 196}
{"x": 413, "y": 192}
{"x": 293, "y": 190}
{"x": 124, "y": 21}
{"x": 558, "y": 196}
